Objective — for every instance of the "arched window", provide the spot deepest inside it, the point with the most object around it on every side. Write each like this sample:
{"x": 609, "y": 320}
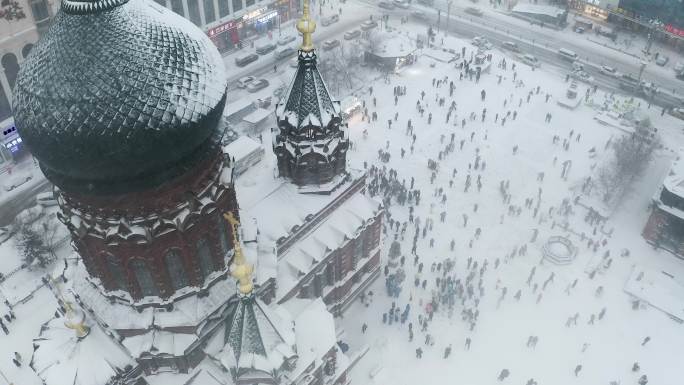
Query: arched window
{"x": 144, "y": 277}
{"x": 205, "y": 260}
{"x": 176, "y": 269}
{"x": 223, "y": 234}
{"x": 26, "y": 50}
{"x": 11, "y": 66}
{"x": 116, "y": 271}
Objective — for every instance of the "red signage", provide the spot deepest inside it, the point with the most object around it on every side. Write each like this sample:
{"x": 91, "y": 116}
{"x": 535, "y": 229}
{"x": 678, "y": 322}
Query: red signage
{"x": 222, "y": 28}
{"x": 676, "y": 31}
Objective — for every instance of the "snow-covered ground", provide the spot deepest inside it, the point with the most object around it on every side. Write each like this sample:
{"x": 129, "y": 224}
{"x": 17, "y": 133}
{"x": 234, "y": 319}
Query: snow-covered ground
{"x": 500, "y": 334}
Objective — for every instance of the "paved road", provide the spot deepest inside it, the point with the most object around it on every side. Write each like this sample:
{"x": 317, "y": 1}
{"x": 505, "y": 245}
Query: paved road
{"x": 543, "y": 43}
{"x": 9, "y": 208}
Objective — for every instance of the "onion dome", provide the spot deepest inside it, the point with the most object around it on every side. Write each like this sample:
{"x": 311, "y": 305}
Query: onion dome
{"x": 119, "y": 96}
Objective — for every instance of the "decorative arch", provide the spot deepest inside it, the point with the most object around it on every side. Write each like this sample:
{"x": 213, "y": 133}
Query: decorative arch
{"x": 10, "y": 65}
{"x": 175, "y": 269}
{"x": 26, "y": 50}
{"x": 205, "y": 259}
{"x": 116, "y": 271}
{"x": 143, "y": 277}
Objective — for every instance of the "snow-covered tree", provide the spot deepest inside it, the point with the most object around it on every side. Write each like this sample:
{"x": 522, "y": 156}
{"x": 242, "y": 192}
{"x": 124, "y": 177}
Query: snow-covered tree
{"x": 32, "y": 247}
{"x": 10, "y": 10}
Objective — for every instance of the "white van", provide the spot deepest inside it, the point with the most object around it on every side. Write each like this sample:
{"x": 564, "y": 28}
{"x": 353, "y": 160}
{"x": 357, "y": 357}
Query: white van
{"x": 284, "y": 52}
{"x": 567, "y": 54}
{"x": 330, "y": 20}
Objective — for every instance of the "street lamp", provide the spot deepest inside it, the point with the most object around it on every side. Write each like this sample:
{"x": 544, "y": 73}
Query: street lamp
{"x": 446, "y": 31}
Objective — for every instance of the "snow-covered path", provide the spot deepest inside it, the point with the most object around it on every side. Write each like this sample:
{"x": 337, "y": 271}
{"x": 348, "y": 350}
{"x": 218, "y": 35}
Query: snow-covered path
{"x": 500, "y": 335}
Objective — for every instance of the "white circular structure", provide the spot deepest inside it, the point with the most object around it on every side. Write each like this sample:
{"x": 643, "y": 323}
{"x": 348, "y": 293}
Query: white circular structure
{"x": 559, "y": 250}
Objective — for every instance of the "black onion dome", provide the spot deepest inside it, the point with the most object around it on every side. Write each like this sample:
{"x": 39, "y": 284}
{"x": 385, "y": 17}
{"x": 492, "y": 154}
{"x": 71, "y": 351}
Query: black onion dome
{"x": 119, "y": 95}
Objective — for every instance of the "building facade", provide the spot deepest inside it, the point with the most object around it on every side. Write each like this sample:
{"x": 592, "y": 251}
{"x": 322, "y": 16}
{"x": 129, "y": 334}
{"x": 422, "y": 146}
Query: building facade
{"x": 232, "y": 24}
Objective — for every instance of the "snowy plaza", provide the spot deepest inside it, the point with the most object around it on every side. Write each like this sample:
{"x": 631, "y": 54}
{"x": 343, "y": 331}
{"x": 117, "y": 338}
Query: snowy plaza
{"x": 406, "y": 206}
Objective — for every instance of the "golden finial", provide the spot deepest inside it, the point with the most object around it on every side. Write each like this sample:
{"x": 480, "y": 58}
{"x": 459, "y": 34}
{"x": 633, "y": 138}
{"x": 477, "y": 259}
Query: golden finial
{"x": 306, "y": 26}
{"x": 240, "y": 270}
{"x": 75, "y": 320}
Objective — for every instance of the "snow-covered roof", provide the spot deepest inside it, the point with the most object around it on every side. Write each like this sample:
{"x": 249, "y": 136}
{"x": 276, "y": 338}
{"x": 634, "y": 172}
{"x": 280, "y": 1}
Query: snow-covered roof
{"x": 674, "y": 181}
{"x": 241, "y": 147}
{"x": 60, "y": 358}
{"x": 257, "y": 116}
{"x": 160, "y": 342}
{"x": 547, "y": 10}
{"x": 307, "y": 100}
{"x": 237, "y": 106}
{"x": 342, "y": 225}
{"x": 315, "y": 331}
{"x": 257, "y": 340}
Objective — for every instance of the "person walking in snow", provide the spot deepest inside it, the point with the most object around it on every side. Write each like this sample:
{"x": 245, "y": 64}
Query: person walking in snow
{"x": 467, "y": 343}
{"x": 363, "y": 328}
{"x": 645, "y": 341}
{"x": 447, "y": 351}
{"x": 419, "y": 353}
{"x": 578, "y": 368}
{"x": 503, "y": 374}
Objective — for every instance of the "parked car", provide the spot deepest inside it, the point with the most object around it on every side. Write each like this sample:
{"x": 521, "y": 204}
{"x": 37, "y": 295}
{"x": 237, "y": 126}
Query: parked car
{"x": 677, "y": 112}
{"x": 403, "y": 4}
{"x": 385, "y": 4}
{"x": 662, "y": 60}
{"x": 368, "y": 24}
{"x": 678, "y": 67}
{"x": 350, "y": 35}
{"x": 5, "y": 234}
{"x": 481, "y": 42}
{"x": 330, "y": 44}
{"x": 582, "y": 76}
{"x": 420, "y": 15}
{"x": 257, "y": 85}
{"x": 244, "y": 81}
{"x": 332, "y": 19}
{"x": 609, "y": 71}
{"x": 46, "y": 199}
{"x": 265, "y": 48}
{"x": 243, "y": 60}
{"x": 15, "y": 180}
{"x": 579, "y": 29}
{"x": 474, "y": 11}
{"x": 530, "y": 60}
{"x": 511, "y": 46}
{"x": 284, "y": 52}
{"x": 286, "y": 39}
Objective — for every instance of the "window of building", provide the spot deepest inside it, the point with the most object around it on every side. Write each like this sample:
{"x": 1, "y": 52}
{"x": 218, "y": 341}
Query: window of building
{"x": 5, "y": 110}
{"x": 224, "y": 8}
{"x": 176, "y": 269}
{"x": 329, "y": 274}
{"x": 11, "y": 66}
{"x": 358, "y": 250}
{"x": 317, "y": 285}
{"x": 223, "y": 234}
{"x": 250, "y": 2}
{"x": 177, "y": 6}
{"x": 144, "y": 278}
{"x": 116, "y": 271}
{"x": 194, "y": 13}
{"x": 40, "y": 11}
{"x": 237, "y": 5}
{"x": 205, "y": 260}
{"x": 26, "y": 50}
{"x": 209, "y": 13}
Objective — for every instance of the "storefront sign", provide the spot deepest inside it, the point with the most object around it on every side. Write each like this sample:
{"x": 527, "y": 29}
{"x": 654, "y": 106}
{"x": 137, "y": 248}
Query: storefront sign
{"x": 673, "y": 30}
{"x": 253, "y": 14}
{"x": 267, "y": 17}
{"x": 222, "y": 28}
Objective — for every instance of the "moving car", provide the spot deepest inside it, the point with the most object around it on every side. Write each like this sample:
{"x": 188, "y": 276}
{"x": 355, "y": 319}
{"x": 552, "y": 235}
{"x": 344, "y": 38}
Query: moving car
{"x": 286, "y": 39}
{"x": 243, "y": 82}
{"x": 677, "y": 112}
{"x": 265, "y": 48}
{"x": 15, "y": 180}
{"x": 582, "y": 76}
{"x": 368, "y": 24}
{"x": 257, "y": 85}
{"x": 481, "y": 42}
{"x": 609, "y": 71}
{"x": 530, "y": 60}
{"x": 474, "y": 11}
{"x": 662, "y": 60}
{"x": 579, "y": 29}
{"x": 420, "y": 15}
{"x": 46, "y": 199}
{"x": 567, "y": 54}
{"x": 243, "y": 60}
{"x": 385, "y": 4}
{"x": 332, "y": 19}
{"x": 349, "y": 35}
{"x": 330, "y": 44}
{"x": 284, "y": 52}
{"x": 511, "y": 46}
{"x": 679, "y": 67}
{"x": 403, "y": 4}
